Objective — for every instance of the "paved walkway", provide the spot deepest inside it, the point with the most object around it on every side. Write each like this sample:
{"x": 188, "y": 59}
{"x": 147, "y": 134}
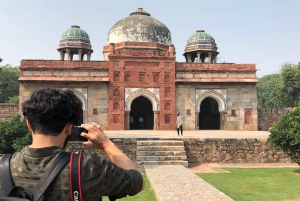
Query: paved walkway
{"x": 186, "y": 134}
{"x": 177, "y": 183}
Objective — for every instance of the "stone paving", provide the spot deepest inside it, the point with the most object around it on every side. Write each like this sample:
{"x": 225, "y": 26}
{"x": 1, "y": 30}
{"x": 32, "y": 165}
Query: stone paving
{"x": 177, "y": 183}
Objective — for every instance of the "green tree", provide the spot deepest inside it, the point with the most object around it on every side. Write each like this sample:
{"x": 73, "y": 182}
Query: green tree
{"x": 286, "y": 135}
{"x": 14, "y": 135}
{"x": 9, "y": 83}
{"x": 265, "y": 90}
{"x": 14, "y": 99}
{"x": 290, "y": 89}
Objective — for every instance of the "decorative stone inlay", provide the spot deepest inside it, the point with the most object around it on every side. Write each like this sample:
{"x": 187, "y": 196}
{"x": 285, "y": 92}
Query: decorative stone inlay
{"x": 223, "y": 66}
{"x": 127, "y": 77}
{"x": 70, "y": 73}
{"x": 248, "y": 115}
{"x": 141, "y": 53}
{"x": 141, "y": 64}
{"x": 35, "y": 73}
{"x": 153, "y": 94}
{"x": 56, "y": 63}
{"x": 97, "y": 73}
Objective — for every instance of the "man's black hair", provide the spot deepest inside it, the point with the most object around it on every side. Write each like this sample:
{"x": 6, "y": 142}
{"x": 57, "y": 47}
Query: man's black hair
{"x": 49, "y": 110}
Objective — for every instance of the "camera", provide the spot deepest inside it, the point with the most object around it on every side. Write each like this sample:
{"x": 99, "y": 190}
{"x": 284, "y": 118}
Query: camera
{"x": 75, "y": 134}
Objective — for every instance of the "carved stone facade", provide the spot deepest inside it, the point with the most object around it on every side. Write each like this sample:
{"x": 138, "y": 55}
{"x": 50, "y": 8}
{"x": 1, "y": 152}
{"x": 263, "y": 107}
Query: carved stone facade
{"x": 140, "y": 80}
{"x": 149, "y": 70}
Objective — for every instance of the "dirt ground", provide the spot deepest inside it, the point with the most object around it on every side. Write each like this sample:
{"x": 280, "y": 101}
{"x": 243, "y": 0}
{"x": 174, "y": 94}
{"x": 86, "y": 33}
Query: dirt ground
{"x": 217, "y": 167}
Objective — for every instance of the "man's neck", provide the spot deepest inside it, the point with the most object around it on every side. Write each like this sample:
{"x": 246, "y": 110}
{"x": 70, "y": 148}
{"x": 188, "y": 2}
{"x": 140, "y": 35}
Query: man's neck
{"x": 41, "y": 140}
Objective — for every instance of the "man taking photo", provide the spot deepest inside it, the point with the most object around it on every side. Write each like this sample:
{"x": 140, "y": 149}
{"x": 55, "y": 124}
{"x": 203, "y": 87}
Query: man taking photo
{"x": 50, "y": 115}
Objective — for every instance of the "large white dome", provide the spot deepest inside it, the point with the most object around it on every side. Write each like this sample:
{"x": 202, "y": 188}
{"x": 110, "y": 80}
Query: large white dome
{"x": 139, "y": 27}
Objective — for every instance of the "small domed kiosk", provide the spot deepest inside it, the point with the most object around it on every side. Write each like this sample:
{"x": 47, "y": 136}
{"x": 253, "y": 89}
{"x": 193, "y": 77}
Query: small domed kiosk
{"x": 199, "y": 47}
{"x": 75, "y": 41}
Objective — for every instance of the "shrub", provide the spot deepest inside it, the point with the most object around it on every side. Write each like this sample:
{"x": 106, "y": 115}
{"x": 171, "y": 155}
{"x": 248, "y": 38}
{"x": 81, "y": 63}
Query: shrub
{"x": 14, "y": 135}
{"x": 286, "y": 135}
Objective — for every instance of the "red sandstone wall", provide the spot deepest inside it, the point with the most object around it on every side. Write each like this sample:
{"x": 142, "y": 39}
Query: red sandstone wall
{"x": 267, "y": 117}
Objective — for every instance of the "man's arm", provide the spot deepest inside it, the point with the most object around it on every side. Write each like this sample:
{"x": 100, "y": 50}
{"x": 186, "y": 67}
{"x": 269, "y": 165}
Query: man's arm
{"x": 99, "y": 140}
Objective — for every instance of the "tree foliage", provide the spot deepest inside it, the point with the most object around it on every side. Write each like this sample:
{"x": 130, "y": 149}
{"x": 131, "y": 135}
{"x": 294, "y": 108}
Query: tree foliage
{"x": 9, "y": 83}
{"x": 280, "y": 90}
{"x": 14, "y": 135}
{"x": 265, "y": 87}
{"x": 14, "y": 99}
{"x": 286, "y": 135}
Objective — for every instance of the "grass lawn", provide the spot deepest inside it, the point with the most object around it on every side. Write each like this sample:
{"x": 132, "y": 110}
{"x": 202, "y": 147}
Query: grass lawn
{"x": 257, "y": 184}
{"x": 146, "y": 195}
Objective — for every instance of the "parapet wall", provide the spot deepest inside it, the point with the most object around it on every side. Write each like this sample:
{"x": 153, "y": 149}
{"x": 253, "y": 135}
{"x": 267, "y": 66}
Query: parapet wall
{"x": 208, "y": 150}
{"x": 233, "y": 151}
{"x": 267, "y": 117}
{"x": 7, "y": 111}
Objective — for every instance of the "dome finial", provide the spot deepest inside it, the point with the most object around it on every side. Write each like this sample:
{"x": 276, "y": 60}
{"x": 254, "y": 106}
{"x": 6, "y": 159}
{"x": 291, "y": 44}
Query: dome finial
{"x": 140, "y": 11}
{"x": 75, "y": 26}
{"x": 200, "y": 30}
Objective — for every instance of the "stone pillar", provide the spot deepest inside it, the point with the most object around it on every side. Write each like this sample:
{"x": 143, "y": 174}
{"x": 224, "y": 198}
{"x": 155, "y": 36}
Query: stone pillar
{"x": 214, "y": 58}
{"x": 68, "y": 54}
{"x": 198, "y": 57}
{"x": 186, "y": 59}
{"x": 85, "y": 117}
{"x": 80, "y": 55}
{"x": 172, "y": 50}
{"x": 111, "y": 48}
{"x": 62, "y": 55}
{"x": 189, "y": 56}
{"x": 209, "y": 57}
{"x": 223, "y": 121}
{"x": 127, "y": 118}
{"x": 156, "y": 120}
{"x": 89, "y": 55}
{"x": 197, "y": 120}
{"x": 71, "y": 56}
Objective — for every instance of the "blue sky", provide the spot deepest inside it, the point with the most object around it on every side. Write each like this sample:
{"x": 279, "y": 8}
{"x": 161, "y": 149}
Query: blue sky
{"x": 263, "y": 32}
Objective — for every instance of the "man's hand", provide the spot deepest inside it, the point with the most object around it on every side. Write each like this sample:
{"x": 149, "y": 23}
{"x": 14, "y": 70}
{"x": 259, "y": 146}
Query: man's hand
{"x": 97, "y": 138}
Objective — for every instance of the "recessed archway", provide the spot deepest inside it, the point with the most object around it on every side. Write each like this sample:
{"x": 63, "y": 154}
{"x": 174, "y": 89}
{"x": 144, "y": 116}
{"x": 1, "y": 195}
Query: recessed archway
{"x": 209, "y": 116}
{"x": 141, "y": 109}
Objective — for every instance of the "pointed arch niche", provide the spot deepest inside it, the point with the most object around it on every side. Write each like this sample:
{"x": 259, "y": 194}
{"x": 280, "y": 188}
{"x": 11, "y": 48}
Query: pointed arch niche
{"x": 81, "y": 93}
{"x": 221, "y": 100}
{"x": 152, "y": 94}
{"x": 217, "y": 95}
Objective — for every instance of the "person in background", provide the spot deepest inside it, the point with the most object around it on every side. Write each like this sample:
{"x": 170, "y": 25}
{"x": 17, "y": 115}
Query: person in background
{"x": 141, "y": 123}
{"x": 179, "y": 124}
{"x": 131, "y": 121}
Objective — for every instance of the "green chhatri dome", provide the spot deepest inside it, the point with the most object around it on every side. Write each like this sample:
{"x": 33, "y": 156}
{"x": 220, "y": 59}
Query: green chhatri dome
{"x": 75, "y": 34}
{"x": 201, "y": 38}
{"x": 75, "y": 31}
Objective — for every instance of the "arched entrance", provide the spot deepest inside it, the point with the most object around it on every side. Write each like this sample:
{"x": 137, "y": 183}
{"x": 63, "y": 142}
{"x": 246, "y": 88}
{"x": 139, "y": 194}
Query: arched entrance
{"x": 209, "y": 116}
{"x": 141, "y": 107}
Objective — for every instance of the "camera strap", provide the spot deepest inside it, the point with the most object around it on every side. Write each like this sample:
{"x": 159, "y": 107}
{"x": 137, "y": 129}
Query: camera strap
{"x": 75, "y": 176}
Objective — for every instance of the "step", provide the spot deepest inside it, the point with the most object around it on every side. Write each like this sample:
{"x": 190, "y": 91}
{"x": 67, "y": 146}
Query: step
{"x": 184, "y": 163}
{"x": 161, "y": 153}
{"x": 160, "y": 143}
{"x": 160, "y": 148}
{"x": 161, "y": 158}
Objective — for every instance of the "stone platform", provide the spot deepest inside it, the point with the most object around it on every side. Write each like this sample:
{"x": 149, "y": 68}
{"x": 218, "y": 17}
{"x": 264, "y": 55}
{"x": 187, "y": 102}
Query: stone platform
{"x": 187, "y": 134}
